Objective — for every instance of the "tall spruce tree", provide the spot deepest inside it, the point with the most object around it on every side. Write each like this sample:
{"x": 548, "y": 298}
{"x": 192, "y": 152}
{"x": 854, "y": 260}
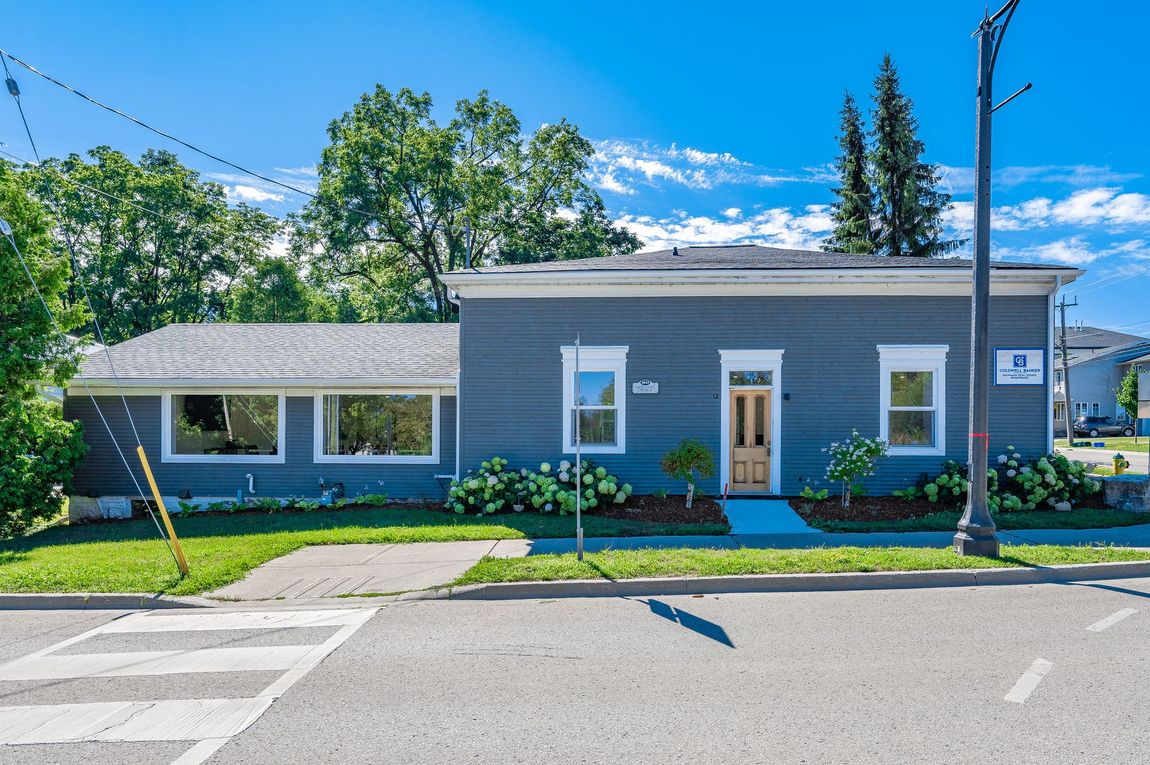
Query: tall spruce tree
{"x": 909, "y": 205}
{"x": 853, "y": 211}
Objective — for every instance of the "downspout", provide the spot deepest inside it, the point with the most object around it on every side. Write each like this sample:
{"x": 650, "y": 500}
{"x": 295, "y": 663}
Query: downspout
{"x": 1051, "y": 365}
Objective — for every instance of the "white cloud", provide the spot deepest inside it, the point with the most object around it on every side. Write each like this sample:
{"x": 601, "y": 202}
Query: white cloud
{"x": 777, "y": 227}
{"x": 960, "y": 180}
{"x": 732, "y": 212}
{"x": 1076, "y": 251}
{"x": 1088, "y": 207}
{"x": 245, "y": 193}
{"x": 620, "y": 166}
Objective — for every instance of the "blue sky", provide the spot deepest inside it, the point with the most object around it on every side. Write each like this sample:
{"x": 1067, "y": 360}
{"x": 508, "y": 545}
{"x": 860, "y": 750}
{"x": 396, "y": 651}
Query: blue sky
{"x": 713, "y": 123}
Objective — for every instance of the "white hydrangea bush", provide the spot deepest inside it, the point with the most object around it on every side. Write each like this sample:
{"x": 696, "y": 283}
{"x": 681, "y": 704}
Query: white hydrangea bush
{"x": 853, "y": 460}
{"x": 493, "y": 487}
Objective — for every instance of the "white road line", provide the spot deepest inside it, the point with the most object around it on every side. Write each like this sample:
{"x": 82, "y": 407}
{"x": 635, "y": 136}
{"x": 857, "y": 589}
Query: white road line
{"x": 1111, "y": 620}
{"x": 209, "y": 722}
{"x": 1029, "y": 681}
{"x": 255, "y": 658}
{"x": 201, "y": 751}
{"x": 173, "y": 720}
{"x": 244, "y": 620}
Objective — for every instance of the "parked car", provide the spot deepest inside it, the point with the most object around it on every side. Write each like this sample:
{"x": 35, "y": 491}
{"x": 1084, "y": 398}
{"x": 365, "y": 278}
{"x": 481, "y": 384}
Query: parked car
{"x": 1101, "y": 426}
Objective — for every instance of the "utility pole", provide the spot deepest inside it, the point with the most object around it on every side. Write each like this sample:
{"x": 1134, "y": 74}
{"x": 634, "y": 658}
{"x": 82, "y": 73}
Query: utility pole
{"x": 1067, "y": 417}
{"x": 976, "y": 530}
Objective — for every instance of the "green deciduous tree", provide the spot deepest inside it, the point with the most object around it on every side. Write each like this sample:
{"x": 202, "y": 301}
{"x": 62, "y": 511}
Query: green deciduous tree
{"x": 38, "y": 450}
{"x": 1127, "y": 393}
{"x": 170, "y": 253}
{"x": 396, "y": 188}
{"x": 909, "y": 205}
{"x": 273, "y": 292}
{"x": 853, "y": 211}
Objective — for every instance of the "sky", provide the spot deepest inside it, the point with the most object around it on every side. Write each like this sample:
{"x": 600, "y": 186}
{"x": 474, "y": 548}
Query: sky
{"x": 712, "y": 124}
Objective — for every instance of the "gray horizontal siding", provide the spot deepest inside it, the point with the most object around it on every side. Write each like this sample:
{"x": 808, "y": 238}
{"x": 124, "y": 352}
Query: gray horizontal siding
{"x": 511, "y": 379}
{"x": 103, "y": 473}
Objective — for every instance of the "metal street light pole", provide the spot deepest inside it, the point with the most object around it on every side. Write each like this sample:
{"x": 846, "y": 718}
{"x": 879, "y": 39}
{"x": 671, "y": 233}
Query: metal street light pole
{"x": 976, "y": 531}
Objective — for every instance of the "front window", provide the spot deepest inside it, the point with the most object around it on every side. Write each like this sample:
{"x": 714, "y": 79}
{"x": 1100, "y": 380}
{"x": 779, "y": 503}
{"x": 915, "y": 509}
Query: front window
{"x": 599, "y": 420}
{"x": 376, "y": 426}
{"x": 912, "y": 405}
{"x": 223, "y": 426}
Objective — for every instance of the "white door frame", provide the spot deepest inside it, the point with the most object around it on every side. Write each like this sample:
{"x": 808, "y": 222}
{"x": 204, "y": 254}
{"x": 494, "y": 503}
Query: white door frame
{"x": 739, "y": 360}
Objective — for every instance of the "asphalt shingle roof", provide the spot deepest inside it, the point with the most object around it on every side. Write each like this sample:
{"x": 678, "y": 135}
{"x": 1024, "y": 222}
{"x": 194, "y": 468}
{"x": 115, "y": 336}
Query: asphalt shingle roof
{"x": 268, "y": 352}
{"x": 1094, "y": 337}
{"x": 741, "y": 257}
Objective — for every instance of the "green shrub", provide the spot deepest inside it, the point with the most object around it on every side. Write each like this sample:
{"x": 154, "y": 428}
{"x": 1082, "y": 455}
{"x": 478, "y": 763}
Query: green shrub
{"x": 363, "y": 499}
{"x": 487, "y": 490}
{"x": 689, "y": 461}
{"x": 1050, "y": 482}
{"x": 814, "y": 496}
{"x": 38, "y": 451}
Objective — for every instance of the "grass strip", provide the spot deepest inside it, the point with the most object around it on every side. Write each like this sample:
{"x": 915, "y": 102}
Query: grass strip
{"x": 633, "y": 564}
{"x": 128, "y": 556}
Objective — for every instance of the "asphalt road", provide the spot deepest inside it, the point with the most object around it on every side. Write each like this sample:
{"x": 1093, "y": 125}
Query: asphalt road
{"x": 862, "y": 677}
{"x": 1138, "y": 460}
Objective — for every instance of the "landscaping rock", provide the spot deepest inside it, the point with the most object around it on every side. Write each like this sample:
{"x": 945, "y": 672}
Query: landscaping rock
{"x": 1127, "y": 492}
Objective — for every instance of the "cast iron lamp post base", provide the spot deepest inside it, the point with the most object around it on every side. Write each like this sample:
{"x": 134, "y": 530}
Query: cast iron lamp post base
{"x": 976, "y": 540}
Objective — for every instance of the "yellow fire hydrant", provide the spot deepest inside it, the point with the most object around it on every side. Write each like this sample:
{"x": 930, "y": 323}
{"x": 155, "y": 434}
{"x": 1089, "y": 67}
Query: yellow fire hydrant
{"x": 1120, "y": 464}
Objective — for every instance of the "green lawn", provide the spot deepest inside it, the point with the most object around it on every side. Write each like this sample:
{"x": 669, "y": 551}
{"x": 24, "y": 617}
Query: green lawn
{"x": 945, "y": 520}
{"x": 129, "y": 556}
{"x": 631, "y": 564}
{"x": 1112, "y": 444}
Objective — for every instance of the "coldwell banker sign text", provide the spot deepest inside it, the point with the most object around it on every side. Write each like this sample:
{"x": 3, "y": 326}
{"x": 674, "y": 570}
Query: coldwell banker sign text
{"x": 1019, "y": 366}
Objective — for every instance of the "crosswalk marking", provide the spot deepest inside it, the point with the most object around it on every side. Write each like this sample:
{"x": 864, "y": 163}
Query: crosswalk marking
{"x": 168, "y": 622}
{"x": 178, "y": 720}
{"x": 210, "y": 723}
{"x": 247, "y": 659}
{"x": 1111, "y": 620}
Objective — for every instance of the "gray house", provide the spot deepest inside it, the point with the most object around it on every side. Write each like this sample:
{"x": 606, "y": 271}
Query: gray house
{"x": 765, "y": 355}
{"x": 1094, "y": 378}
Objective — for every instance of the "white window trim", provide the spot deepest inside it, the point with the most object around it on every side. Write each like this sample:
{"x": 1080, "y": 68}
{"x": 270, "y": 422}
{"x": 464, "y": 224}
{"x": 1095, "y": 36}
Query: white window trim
{"x": 741, "y": 360}
{"x": 166, "y": 455}
{"x": 378, "y": 459}
{"x": 596, "y": 358}
{"x": 913, "y": 358}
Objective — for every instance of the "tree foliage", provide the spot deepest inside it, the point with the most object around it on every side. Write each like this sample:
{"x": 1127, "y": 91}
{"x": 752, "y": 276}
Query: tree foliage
{"x": 853, "y": 211}
{"x": 689, "y": 461}
{"x": 170, "y": 253}
{"x": 1127, "y": 393}
{"x": 38, "y": 450}
{"x": 273, "y": 292}
{"x": 909, "y": 204}
{"x": 397, "y": 191}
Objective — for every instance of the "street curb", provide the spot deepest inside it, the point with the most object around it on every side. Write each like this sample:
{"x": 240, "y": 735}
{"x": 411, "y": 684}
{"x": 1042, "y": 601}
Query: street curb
{"x": 97, "y": 600}
{"x": 715, "y": 585}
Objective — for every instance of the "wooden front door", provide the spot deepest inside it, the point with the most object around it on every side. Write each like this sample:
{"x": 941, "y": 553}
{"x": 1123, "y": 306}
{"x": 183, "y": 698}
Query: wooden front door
{"x": 750, "y": 440}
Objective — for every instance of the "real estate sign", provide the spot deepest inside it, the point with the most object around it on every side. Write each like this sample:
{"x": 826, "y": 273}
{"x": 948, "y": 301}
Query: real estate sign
{"x": 1019, "y": 366}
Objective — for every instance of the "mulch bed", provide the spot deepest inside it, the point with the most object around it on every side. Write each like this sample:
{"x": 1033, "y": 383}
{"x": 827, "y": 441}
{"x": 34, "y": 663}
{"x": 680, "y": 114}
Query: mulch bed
{"x": 885, "y": 508}
{"x": 669, "y": 509}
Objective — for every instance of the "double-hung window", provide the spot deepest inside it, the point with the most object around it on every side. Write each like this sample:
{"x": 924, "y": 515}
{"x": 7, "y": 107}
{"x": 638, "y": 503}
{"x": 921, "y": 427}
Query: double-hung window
{"x": 222, "y": 426}
{"x": 912, "y": 394}
{"x": 601, "y": 417}
{"x": 359, "y": 426}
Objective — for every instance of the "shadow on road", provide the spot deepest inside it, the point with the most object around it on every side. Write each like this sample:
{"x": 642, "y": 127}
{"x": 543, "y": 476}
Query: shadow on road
{"x": 1112, "y": 588}
{"x": 694, "y": 623}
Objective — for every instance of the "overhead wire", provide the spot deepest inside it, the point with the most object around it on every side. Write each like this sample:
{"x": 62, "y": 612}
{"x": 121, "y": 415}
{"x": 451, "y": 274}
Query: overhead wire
{"x": 10, "y": 236}
{"x": 14, "y": 90}
{"x": 4, "y": 55}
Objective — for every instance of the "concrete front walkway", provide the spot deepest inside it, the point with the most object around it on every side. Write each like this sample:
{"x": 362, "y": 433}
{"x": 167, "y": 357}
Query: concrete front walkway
{"x": 765, "y": 516}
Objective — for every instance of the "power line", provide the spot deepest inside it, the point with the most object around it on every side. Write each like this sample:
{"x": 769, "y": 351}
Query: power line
{"x": 5, "y": 54}
{"x": 6, "y": 230}
{"x": 101, "y": 192}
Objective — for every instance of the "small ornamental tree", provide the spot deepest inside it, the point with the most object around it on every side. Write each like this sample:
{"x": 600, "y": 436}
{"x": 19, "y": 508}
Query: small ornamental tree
{"x": 1127, "y": 395}
{"x": 689, "y": 461}
{"x": 852, "y": 460}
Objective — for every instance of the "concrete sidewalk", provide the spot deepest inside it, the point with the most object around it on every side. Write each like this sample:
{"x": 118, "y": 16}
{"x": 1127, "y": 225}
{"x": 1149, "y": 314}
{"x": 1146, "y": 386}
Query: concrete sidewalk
{"x": 332, "y": 570}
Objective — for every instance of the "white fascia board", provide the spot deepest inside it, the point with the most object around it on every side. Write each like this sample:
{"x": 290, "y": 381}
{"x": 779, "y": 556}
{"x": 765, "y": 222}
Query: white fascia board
{"x": 929, "y": 281}
{"x": 77, "y": 387}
